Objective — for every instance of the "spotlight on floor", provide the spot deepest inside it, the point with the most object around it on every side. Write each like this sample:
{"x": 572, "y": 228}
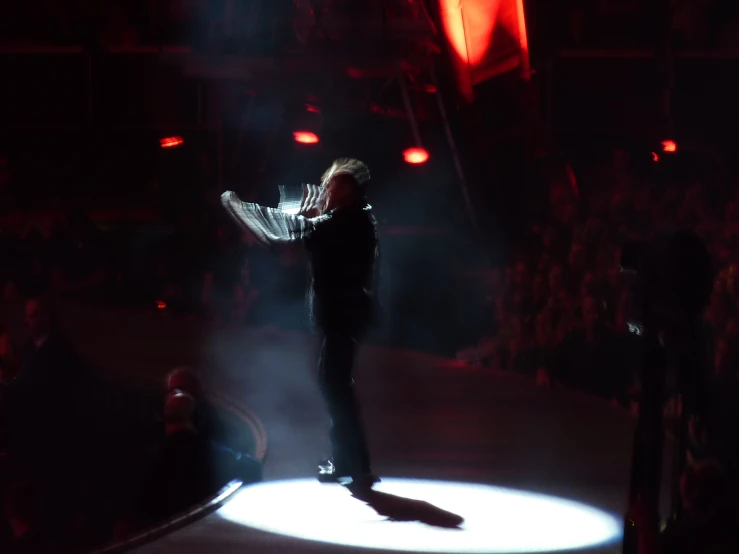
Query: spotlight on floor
{"x": 496, "y": 519}
{"x": 306, "y": 137}
{"x": 415, "y": 156}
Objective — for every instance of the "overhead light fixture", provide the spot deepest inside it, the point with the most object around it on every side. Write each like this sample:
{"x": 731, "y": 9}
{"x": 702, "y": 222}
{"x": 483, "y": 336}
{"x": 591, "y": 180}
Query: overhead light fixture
{"x": 170, "y": 142}
{"x": 669, "y": 146}
{"x": 306, "y": 137}
{"x": 415, "y": 156}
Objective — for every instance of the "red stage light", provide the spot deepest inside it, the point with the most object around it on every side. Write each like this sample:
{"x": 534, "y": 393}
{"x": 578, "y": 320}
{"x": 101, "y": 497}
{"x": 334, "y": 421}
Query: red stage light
{"x": 415, "y": 155}
{"x": 169, "y": 142}
{"x": 655, "y": 157}
{"x": 669, "y": 146}
{"x": 305, "y": 137}
{"x": 161, "y": 305}
{"x": 312, "y": 108}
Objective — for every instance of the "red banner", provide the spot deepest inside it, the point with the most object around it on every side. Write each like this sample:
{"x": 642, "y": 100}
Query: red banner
{"x": 487, "y": 38}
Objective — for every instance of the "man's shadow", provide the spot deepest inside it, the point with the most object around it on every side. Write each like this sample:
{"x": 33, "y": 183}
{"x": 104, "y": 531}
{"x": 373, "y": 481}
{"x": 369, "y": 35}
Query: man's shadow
{"x": 397, "y": 508}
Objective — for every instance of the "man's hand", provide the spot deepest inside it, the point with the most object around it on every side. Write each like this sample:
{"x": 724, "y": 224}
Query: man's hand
{"x": 309, "y": 204}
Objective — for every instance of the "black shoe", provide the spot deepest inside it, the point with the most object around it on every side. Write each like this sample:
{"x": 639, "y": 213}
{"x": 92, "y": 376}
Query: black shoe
{"x": 360, "y": 485}
{"x": 327, "y": 471}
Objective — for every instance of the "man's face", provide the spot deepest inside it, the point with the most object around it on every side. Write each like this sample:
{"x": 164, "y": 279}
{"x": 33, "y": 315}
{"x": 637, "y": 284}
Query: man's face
{"x": 38, "y": 318}
{"x": 336, "y": 193}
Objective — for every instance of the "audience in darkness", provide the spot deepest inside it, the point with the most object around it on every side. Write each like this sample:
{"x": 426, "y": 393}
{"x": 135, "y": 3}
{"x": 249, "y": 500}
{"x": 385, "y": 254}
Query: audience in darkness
{"x": 62, "y": 440}
{"x": 707, "y": 522}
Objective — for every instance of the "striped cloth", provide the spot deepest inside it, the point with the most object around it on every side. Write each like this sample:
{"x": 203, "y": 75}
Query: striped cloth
{"x": 276, "y": 225}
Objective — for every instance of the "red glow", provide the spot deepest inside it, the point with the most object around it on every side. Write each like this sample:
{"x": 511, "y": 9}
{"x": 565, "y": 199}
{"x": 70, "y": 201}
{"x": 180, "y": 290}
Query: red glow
{"x": 170, "y": 142}
{"x": 161, "y": 305}
{"x": 523, "y": 40}
{"x": 480, "y": 35}
{"x": 305, "y": 137}
{"x": 655, "y": 157}
{"x": 416, "y": 155}
{"x": 470, "y": 29}
{"x": 669, "y": 146}
{"x": 312, "y": 109}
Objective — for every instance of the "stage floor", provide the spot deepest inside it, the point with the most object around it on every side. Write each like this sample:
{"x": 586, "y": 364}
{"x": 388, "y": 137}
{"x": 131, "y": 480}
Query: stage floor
{"x": 438, "y": 431}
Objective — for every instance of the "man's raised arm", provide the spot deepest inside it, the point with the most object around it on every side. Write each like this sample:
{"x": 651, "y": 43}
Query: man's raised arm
{"x": 270, "y": 226}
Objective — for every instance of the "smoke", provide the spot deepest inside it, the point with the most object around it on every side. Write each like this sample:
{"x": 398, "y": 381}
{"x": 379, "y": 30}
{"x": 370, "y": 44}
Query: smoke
{"x": 275, "y": 375}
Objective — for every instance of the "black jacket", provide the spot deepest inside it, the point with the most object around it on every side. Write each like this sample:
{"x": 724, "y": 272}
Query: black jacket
{"x": 344, "y": 248}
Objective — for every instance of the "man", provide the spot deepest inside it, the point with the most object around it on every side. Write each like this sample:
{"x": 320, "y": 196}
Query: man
{"x": 50, "y": 385}
{"x": 337, "y": 227}
{"x": 208, "y": 423}
{"x": 184, "y": 471}
{"x": 707, "y": 522}
{"x": 48, "y": 409}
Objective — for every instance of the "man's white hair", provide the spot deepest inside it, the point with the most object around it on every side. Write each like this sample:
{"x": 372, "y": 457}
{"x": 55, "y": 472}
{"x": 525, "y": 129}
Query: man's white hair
{"x": 357, "y": 169}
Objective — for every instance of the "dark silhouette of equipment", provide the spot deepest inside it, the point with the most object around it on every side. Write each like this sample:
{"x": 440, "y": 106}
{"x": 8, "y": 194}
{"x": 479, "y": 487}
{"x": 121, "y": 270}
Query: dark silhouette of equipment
{"x": 671, "y": 281}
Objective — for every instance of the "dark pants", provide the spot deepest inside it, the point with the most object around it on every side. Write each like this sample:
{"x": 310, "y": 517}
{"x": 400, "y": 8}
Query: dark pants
{"x": 348, "y": 442}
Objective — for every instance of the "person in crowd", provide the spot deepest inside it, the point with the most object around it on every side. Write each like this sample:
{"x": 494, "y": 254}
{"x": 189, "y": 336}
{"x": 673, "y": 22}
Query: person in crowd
{"x": 207, "y": 421}
{"x": 185, "y": 470}
{"x": 46, "y": 398}
{"x": 86, "y": 260}
{"x": 48, "y": 347}
{"x": 186, "y": 380}
{"x": 582, "y": 360}
{"x": 707, "y": 523}
{"x": 48, "y": 407}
